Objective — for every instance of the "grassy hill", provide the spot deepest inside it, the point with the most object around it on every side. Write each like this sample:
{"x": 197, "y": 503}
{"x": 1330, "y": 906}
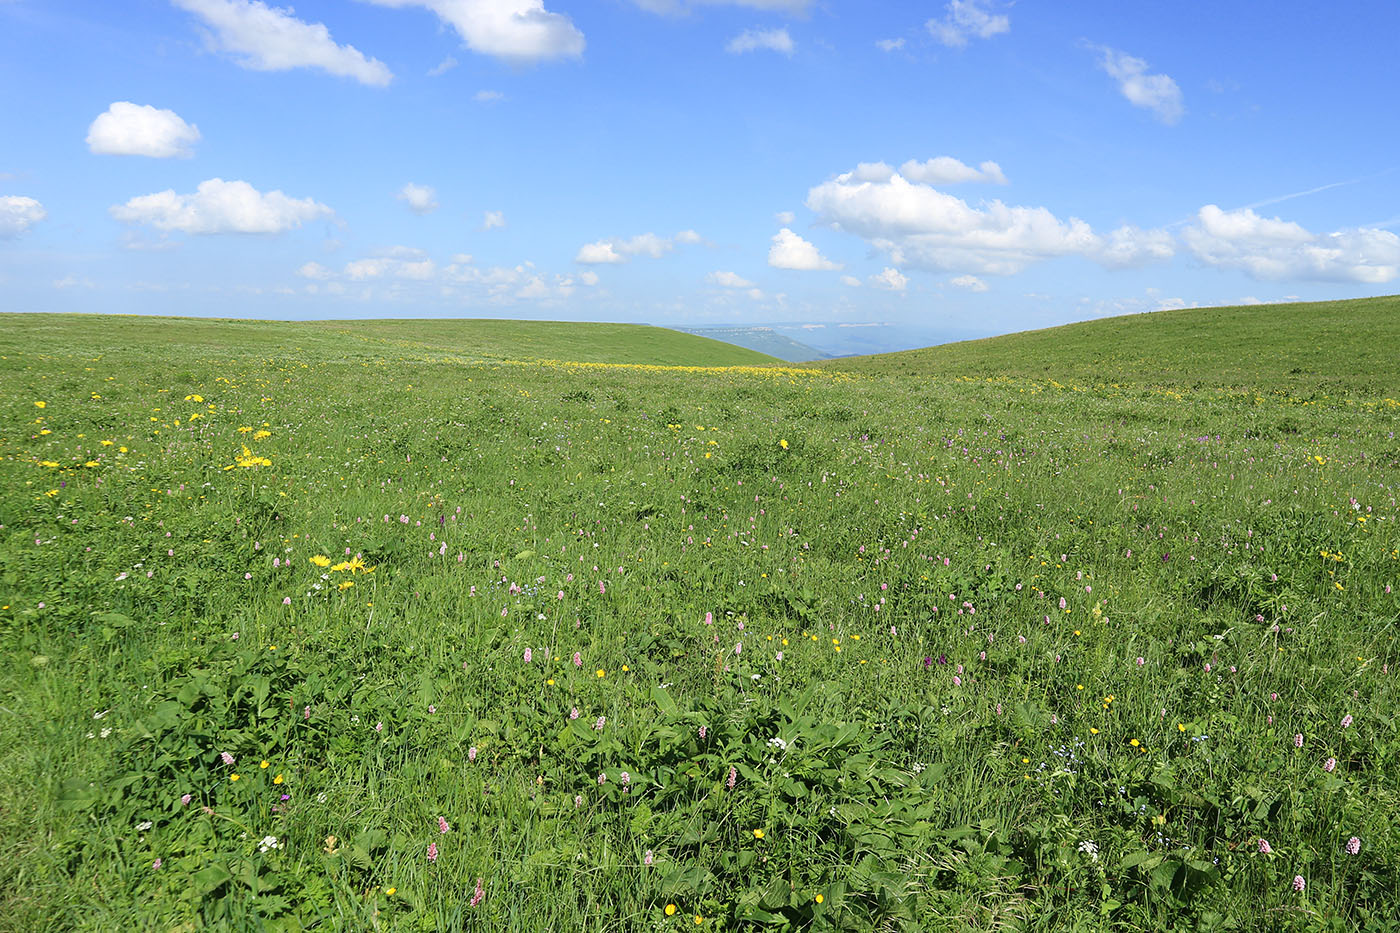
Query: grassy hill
{"x": 1329, "y": 347}
{"x": 361, "y": 626}
{"x": 474, "y": 339}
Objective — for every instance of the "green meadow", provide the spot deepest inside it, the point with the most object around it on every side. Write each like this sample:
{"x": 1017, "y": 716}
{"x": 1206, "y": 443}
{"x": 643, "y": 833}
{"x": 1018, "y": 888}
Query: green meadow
{"x": 485, "y": 625}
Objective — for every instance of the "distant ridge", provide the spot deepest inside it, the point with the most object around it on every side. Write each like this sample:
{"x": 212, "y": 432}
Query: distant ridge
{"x": 763, "y": 339}
{"x": 1317, "y": 348}
{"x": 473, "y": 338}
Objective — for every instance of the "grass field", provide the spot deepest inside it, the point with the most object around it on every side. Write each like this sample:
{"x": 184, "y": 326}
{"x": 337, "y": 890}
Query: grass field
{"x": 504, "y": 626}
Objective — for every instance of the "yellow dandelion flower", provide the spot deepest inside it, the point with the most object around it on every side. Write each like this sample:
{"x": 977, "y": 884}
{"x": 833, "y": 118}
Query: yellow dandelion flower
{"x": 670, "y": 910}
{"x": 321, "y": 560}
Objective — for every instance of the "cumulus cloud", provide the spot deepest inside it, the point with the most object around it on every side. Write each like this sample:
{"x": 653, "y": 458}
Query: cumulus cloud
{"x": 889, "y": 45}
{"x": 945, "y": 170}
{"x": 18, "y": 214}
{"x": 519, "y": 31}
{"x": 889, "y": 280}
{"x": 486, "y": 97}
{"x": 964, "y": 20}
{"x": 1272, "y": 248}
{"x": 491, "y": 220}
{"x": 1155, "y": 92}
{"x": 619, "y": 250}
{"x": 970, "y": 282}
{"x": 417, "y": 269}
{"x": 730, "y": 280}
{"x": 752, "y": 40}
{"x": 314, "y": 270}
{"x": 790, "y": 251}
{"x": 219, "y": 206}
{"x": 507, "y": 284}
{"x": 131, "y": 129}
{"x": 917, "y": 224}
{"x": 850, "y": 280}
{"x": 598, "y": 253}
{"x": 786, "y": 218}
{"x": 265, "y": 38}
{"x": 421, "y": 199}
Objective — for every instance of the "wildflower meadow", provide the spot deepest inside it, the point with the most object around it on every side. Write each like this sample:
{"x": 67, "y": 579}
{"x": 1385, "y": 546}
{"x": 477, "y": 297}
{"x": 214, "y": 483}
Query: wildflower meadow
{"x": 523, "y": 627}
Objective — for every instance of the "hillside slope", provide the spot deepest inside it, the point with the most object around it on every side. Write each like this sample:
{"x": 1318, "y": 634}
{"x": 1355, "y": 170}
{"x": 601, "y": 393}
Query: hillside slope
{"x": 1330, "y": 347}
{"x": 480, "y": 339}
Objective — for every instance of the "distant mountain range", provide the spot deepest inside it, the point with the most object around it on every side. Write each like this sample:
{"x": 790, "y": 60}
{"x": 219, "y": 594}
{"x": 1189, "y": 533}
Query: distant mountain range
{"x": 800, "y": 342}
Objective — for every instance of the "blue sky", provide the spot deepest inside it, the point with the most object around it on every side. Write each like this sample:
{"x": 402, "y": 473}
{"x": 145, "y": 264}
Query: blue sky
{"x": 952, "y": 168}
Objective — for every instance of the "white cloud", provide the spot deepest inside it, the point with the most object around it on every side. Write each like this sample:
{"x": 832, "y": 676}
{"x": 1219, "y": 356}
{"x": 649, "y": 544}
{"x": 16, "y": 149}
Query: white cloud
{"x": 600, "y": 252}
{"x": 1155, "y": 92}
{"x": 917, "y": 224}
{"x": 520, "y": 31}
{"x": 416, "y": 269}
{"x": 889, "y": 45}
{"x": 486, "y": 97}
{"x": 18, "y": 214}
{"x": 752, "y": 40}
{"x": 786, "y": 218}
{"x": 889, "y": 280}
{"x": 790, "y": 251}
{"x": 588, "y": 277}
{"x": 966, "y": 19}
{"x": 617, "y": 250}
{"x": 219, "y": 206}
{"x": 1133, "y": 246}
{"x": 421, "y": 199}
{"x": 1271, "y": 248}
{"x": 850, "y": 280}
{"x": 970, "y": 282}
{"x": 314, "y": 270}
{"x": 271, "y": 39}
{"x": 730, "y": 280}
{"x": 443, "y": 67}
{"x": 130, "y": 129}
{"x": 493, "y": 219}
{"x": 945, "y": 170}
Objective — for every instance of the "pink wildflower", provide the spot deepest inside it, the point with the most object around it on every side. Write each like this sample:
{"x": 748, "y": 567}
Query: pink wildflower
{"x": 648, "y": 858}
{"x": 1298, "y": 883}
{"x": 443, "y": 827}
{"x": 578, "y": 659}
{"x": 733, "y": 776}
{"x": 1264, "y": 847}
{"x": 478, "y": 894}
{"x": 1353, "y": 846}
{"x": 228, "y": 759}
{"x": 528, "y": 655}
{"x": 1329, "y": 764}
{"x": 432, "y": 852}
{"x": 1346, "y": 721}
{"x": 1298, "y": 740}
{"x": 157, "y": 863}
